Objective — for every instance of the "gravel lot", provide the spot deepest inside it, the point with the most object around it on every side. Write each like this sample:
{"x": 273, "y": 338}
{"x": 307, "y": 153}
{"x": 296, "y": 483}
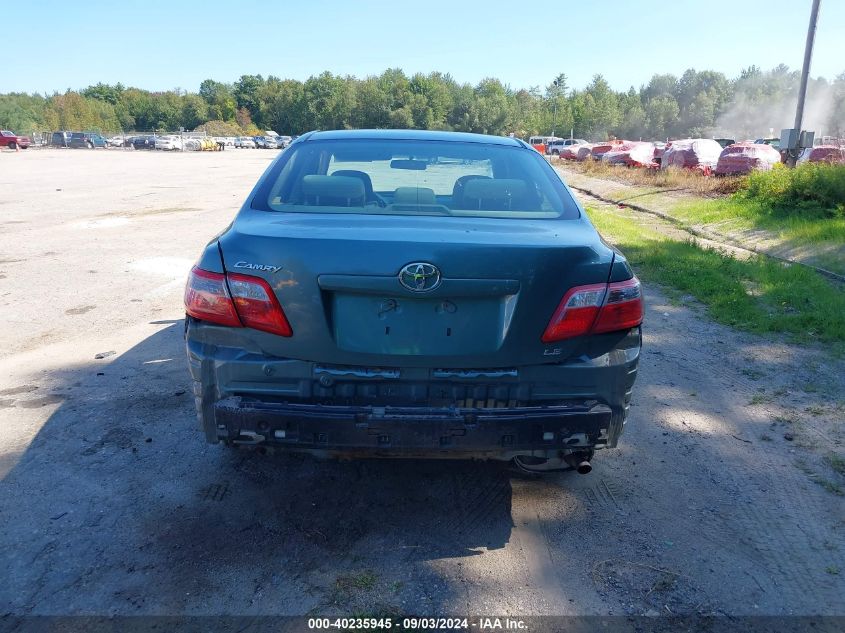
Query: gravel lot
{"x": 719, "y": 499}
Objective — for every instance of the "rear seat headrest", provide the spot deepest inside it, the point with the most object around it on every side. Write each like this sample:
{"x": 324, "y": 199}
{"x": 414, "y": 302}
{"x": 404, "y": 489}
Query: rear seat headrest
{"x": 333, "y": 190}
{"x": 414, "y": 196}
{"x": 500, "y": 190}
{"x": 360, "y": 175}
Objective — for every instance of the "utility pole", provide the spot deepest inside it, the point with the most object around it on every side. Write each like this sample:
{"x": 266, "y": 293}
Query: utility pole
{"x": 556, "y": 84}
{"x": 805, "y": 74}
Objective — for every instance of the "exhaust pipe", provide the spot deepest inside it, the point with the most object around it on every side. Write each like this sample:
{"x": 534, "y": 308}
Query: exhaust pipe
{"x": 580, "y": 462}
{"x": 583, "y": 468}
{"x": 248, "y": 438}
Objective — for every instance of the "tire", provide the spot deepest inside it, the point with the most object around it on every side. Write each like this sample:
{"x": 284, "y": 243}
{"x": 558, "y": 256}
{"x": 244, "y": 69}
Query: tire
{"x": 90, "y": 145}
{"x": 12, "y": 145}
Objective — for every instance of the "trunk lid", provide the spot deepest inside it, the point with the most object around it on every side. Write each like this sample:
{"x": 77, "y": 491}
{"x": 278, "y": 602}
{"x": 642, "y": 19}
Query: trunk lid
{"x": 337, "y": 279}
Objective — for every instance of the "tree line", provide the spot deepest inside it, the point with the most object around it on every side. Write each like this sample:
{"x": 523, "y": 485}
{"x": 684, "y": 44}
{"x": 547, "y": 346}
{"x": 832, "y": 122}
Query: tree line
{"x": 698, "y": 103}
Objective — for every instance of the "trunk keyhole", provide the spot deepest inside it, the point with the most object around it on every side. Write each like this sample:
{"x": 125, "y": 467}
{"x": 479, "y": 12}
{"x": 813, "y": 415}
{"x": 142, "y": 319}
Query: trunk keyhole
{"x": 387, "y": 330}
{"x": 448, "y": 331}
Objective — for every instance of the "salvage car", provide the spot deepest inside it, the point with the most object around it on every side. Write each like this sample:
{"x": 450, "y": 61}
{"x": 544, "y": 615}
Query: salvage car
{"x": 743, "y": 158}
{"x": 697, "y": 154}
{"x": 398, "y": 293}
{"x": 823, "y": 154}
{"x": 266, "y": 142}
{"x": 86, "y": 140}
{"x": 168, "y": 142}
{"x": 541, "y": 143}
{"x": 245, "y": 142}
{"x": 554, "y": 148}
{"x": 13, "y": 141}
{"x": 60, "y": 139}
{"x": 631, "y": 154}
{"x": 146, "y": 141}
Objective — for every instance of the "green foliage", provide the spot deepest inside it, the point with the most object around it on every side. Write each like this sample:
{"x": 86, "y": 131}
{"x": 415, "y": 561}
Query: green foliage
{"x": 812, "y": 187}
{"x": 21, "y": 112}
{"x": 758, "y": 294}
{"x": 812, "y": 227}
{"x": 219, "y": 128}
{"x": 104, "y": 92}
{"x": 220, "y": 99}
{"x": 691, "y": 105}
{"x": 72, "y": 111}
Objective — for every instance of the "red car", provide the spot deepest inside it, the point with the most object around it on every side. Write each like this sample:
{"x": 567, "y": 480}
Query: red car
{"x": 743, "y": 158}
{"x": 631, "y": 154}
{"x": 13, "y": 141}
{"x": 823, "y": 154}
{"x": 700, "y": 154}
{"x": 600, "y": 149}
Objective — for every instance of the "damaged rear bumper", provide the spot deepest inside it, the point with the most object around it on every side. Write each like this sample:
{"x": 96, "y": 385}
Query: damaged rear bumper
{"x": 245, "y": 396}
{"x": 416, "y": 431}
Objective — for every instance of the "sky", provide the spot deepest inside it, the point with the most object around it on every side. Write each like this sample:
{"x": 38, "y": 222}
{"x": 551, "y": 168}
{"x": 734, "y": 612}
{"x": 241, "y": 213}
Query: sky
{"x": 161, "y": 45}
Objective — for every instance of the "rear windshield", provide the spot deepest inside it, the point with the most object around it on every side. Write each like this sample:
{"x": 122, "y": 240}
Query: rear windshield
{"x": 409, "y": 177}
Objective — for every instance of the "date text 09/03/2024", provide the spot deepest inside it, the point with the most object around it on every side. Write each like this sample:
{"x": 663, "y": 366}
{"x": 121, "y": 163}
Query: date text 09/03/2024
{"x": 418, "y": 623}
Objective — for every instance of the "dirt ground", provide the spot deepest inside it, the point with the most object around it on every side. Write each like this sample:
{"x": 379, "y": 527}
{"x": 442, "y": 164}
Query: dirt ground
{"x": 718, "y": 500}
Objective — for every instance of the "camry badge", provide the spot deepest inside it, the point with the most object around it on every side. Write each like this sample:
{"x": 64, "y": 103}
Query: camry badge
{"x": 267, "y": 267}
{"x": 419, "y": 277}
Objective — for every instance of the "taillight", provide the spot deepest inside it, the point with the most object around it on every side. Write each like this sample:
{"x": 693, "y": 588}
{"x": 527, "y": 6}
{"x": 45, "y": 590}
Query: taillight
{"x": 623, "y": 307}
{"x": 257, "y": 305}
{"x": 576, "y": 313}
{"x": 207, "y": 298}
{"x": 235, "y": 301}
{"x": 596, "y": 308}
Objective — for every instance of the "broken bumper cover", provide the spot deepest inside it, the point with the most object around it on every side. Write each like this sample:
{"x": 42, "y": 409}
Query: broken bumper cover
{"x": 499, "y": 432}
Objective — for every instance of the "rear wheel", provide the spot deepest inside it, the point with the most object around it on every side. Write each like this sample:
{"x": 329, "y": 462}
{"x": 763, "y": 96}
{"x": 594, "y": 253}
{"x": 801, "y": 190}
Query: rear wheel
{"x": 13, "y": 145}
{"x": 90, "y": 145}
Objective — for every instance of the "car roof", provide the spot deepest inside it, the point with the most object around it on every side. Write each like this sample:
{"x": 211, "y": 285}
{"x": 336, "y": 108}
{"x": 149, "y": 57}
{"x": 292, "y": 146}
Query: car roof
{"x": 413, "y": 135}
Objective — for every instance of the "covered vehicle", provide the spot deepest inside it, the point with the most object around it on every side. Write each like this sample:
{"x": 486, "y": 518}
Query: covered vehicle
{"x": 692, "y": 153}
{"x": 743, "y": 158}
{"x": 584, "y": 152}
{"x": 823, "y": 154}
{"x": 570, "y": 152}
{"x": 631, "y": 154}
{"x": 411, "y": 293}
{"x": 600, "y": 149}
{"x": 659, "y": 149}
{"x": 554, "y": 148}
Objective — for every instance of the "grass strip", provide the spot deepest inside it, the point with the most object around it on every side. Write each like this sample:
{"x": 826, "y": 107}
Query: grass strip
{"x": 756, "y": 295}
